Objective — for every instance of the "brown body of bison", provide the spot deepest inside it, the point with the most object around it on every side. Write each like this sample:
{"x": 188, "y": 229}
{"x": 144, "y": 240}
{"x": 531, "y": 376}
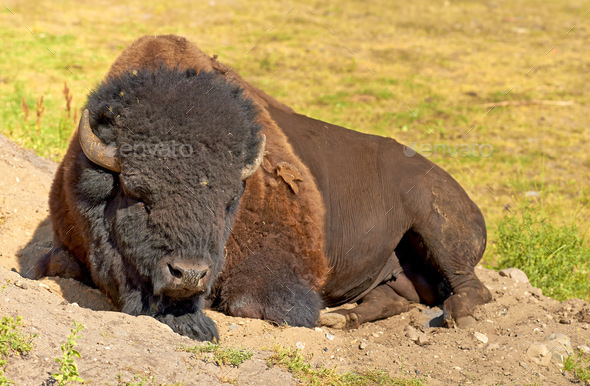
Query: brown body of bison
{"x": 349, "y": 215}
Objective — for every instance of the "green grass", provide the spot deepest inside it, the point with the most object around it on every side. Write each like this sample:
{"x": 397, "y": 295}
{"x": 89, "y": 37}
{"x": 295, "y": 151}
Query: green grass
{"x": 142, "y": 380}
{"x": 221, "y": 356}
{"x": 68, "y": 368}
{"x": 555, "y": 258}
{"x": 579, "y": 365}
{"x": 12, "y": 342}
{"x": 292, "y": 360}
{"x": 420, "y": 72}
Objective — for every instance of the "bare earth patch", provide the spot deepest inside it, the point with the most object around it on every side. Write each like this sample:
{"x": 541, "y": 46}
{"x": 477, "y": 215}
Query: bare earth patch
{"x": 516, "y": 338}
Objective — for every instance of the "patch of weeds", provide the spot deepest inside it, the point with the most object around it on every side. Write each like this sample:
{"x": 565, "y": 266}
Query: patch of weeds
{"x": 142, "y": 380}
{"x": 137, "y": 380}
{"x": 68, "y": 368}
{"x": 579, "y": 365}
{"x": 220, "y": 355}
{"x": 292, "y": 360}
{"x": 3, "y": 379}
{"x": 12, "y": 341}
{"x": 555, "y": 258}
{"x": 4, "y": 286}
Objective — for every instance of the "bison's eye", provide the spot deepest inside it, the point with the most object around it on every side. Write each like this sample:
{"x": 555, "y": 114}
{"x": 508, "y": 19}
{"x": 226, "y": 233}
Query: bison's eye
{"x": 143, "y": 206}
{"x": 233, "y": 203}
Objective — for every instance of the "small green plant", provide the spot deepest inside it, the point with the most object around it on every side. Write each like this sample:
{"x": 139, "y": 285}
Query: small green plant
{"x": 292, "y": 360}
{"x": 137, "y": 380}
{"x": 4, "y": 286}
{"x": 555, "y": 258}
{"x": 221, "y": 355}
{"x": 579, "y": 365}
{"x": 68, "y": 368}
{"x": 3, "y": 379}
{"x": 11, "y": 339}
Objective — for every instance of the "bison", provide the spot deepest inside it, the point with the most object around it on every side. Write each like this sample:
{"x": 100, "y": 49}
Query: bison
{"x": 186, "y": 187}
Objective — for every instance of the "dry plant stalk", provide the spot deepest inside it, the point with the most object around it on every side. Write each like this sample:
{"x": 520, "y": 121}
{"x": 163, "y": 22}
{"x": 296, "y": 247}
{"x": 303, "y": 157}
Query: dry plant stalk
{"x": 25, "y": 108}
{"x": 68, "y": 96}
{"x": 40, "y": 111}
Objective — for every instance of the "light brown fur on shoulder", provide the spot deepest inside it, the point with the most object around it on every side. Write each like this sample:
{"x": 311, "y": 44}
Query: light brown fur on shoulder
{"x": 276, "y": 213}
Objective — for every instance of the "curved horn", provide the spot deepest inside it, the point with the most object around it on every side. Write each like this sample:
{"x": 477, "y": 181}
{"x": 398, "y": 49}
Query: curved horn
{"x": 94, "y": 148}
{"x": 248, "y": 170}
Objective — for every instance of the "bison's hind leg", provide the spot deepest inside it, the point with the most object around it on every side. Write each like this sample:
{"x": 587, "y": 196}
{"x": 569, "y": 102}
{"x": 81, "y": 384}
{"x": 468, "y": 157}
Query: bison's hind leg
{"x": 454, "y": 243}
{"x": 380, "y": 303}
{"x": 60, "y": 262}
{"x": 266, "y": 289}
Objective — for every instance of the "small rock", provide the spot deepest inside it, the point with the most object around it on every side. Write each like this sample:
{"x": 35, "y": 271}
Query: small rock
{"x": 422, "y": 340}
{"x": 233, "y": 326}
{"x": 538, "y": 352}
{"x": 481, "y": 337}
{"x": 532, "y": 193}
{"x": 536, "y": 292}
{"x": 524, "y": 365}
{"x": 560, "y": 346}
{"x": 300, "y": 345}
{"x": 318, "y": 329}
{"x": 516, "y": 274}
{"x": 584, "y": 349}
{"x": 412, "y": 335}
{"x": 22, "y": 285}
{"x": 562, "y": 339}
{"x": 330, "y": 336}
{"x": 42, "y": 285}
{"x": 363, "y": 345}
{"x": 492, "y": 346}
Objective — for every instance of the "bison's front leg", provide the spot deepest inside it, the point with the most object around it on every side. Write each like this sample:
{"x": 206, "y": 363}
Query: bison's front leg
{"x": 269, "y": 289}
{"x": 185, "y": 317}
{"x": 382, "y": 302}
{"x": 195, "y": 325}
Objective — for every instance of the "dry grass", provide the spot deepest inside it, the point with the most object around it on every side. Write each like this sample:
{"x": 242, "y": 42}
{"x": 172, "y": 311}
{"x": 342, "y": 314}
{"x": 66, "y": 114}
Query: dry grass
{"x": 421, "y": 72}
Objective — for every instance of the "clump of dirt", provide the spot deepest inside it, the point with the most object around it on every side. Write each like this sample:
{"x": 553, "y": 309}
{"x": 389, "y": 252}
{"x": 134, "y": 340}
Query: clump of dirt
{"x": 520, "y": 337}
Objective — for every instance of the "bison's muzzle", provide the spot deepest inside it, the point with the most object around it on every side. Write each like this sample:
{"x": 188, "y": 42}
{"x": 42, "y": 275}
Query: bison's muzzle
{"x": 182, "y": 278}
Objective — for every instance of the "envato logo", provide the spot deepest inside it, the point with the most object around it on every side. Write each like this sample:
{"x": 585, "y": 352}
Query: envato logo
{"x": 474, "y": 150}
{"x": 171, "y": 149}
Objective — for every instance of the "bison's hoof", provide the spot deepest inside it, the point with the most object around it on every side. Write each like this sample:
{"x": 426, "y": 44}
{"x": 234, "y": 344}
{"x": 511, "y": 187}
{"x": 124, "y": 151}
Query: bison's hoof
{"x": 333, "y": 320}
{"x": 461, "y": 322}
{"x": 195, "y": 325}
{"x": 352, "y": 320}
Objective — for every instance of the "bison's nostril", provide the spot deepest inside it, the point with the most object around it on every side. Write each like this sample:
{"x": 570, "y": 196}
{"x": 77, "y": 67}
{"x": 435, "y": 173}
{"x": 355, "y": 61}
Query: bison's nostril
{"x": 175, "y": 272}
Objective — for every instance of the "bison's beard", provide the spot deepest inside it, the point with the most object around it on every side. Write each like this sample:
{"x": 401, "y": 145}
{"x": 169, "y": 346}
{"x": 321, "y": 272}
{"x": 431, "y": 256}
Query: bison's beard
{"x": 184, "y": 316}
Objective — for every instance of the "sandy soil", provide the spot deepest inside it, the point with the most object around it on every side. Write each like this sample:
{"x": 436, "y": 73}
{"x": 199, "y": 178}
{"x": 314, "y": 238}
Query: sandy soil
{"x": 516, "y": 339}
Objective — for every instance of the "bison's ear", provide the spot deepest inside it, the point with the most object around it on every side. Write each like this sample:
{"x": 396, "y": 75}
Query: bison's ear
{"x": 248, "y": 170}
{"x": 94, "y": 148}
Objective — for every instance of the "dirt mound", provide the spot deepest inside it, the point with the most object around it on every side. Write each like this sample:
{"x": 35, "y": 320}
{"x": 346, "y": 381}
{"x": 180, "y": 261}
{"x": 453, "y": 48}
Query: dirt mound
{"x": 521, "y": 336}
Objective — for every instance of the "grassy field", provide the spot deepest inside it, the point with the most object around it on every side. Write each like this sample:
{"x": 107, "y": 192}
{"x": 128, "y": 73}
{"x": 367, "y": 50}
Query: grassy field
{"x": 495, "y": 92}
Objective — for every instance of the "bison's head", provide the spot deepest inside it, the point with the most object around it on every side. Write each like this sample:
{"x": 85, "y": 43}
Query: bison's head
{"x": 177, "y": 147}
